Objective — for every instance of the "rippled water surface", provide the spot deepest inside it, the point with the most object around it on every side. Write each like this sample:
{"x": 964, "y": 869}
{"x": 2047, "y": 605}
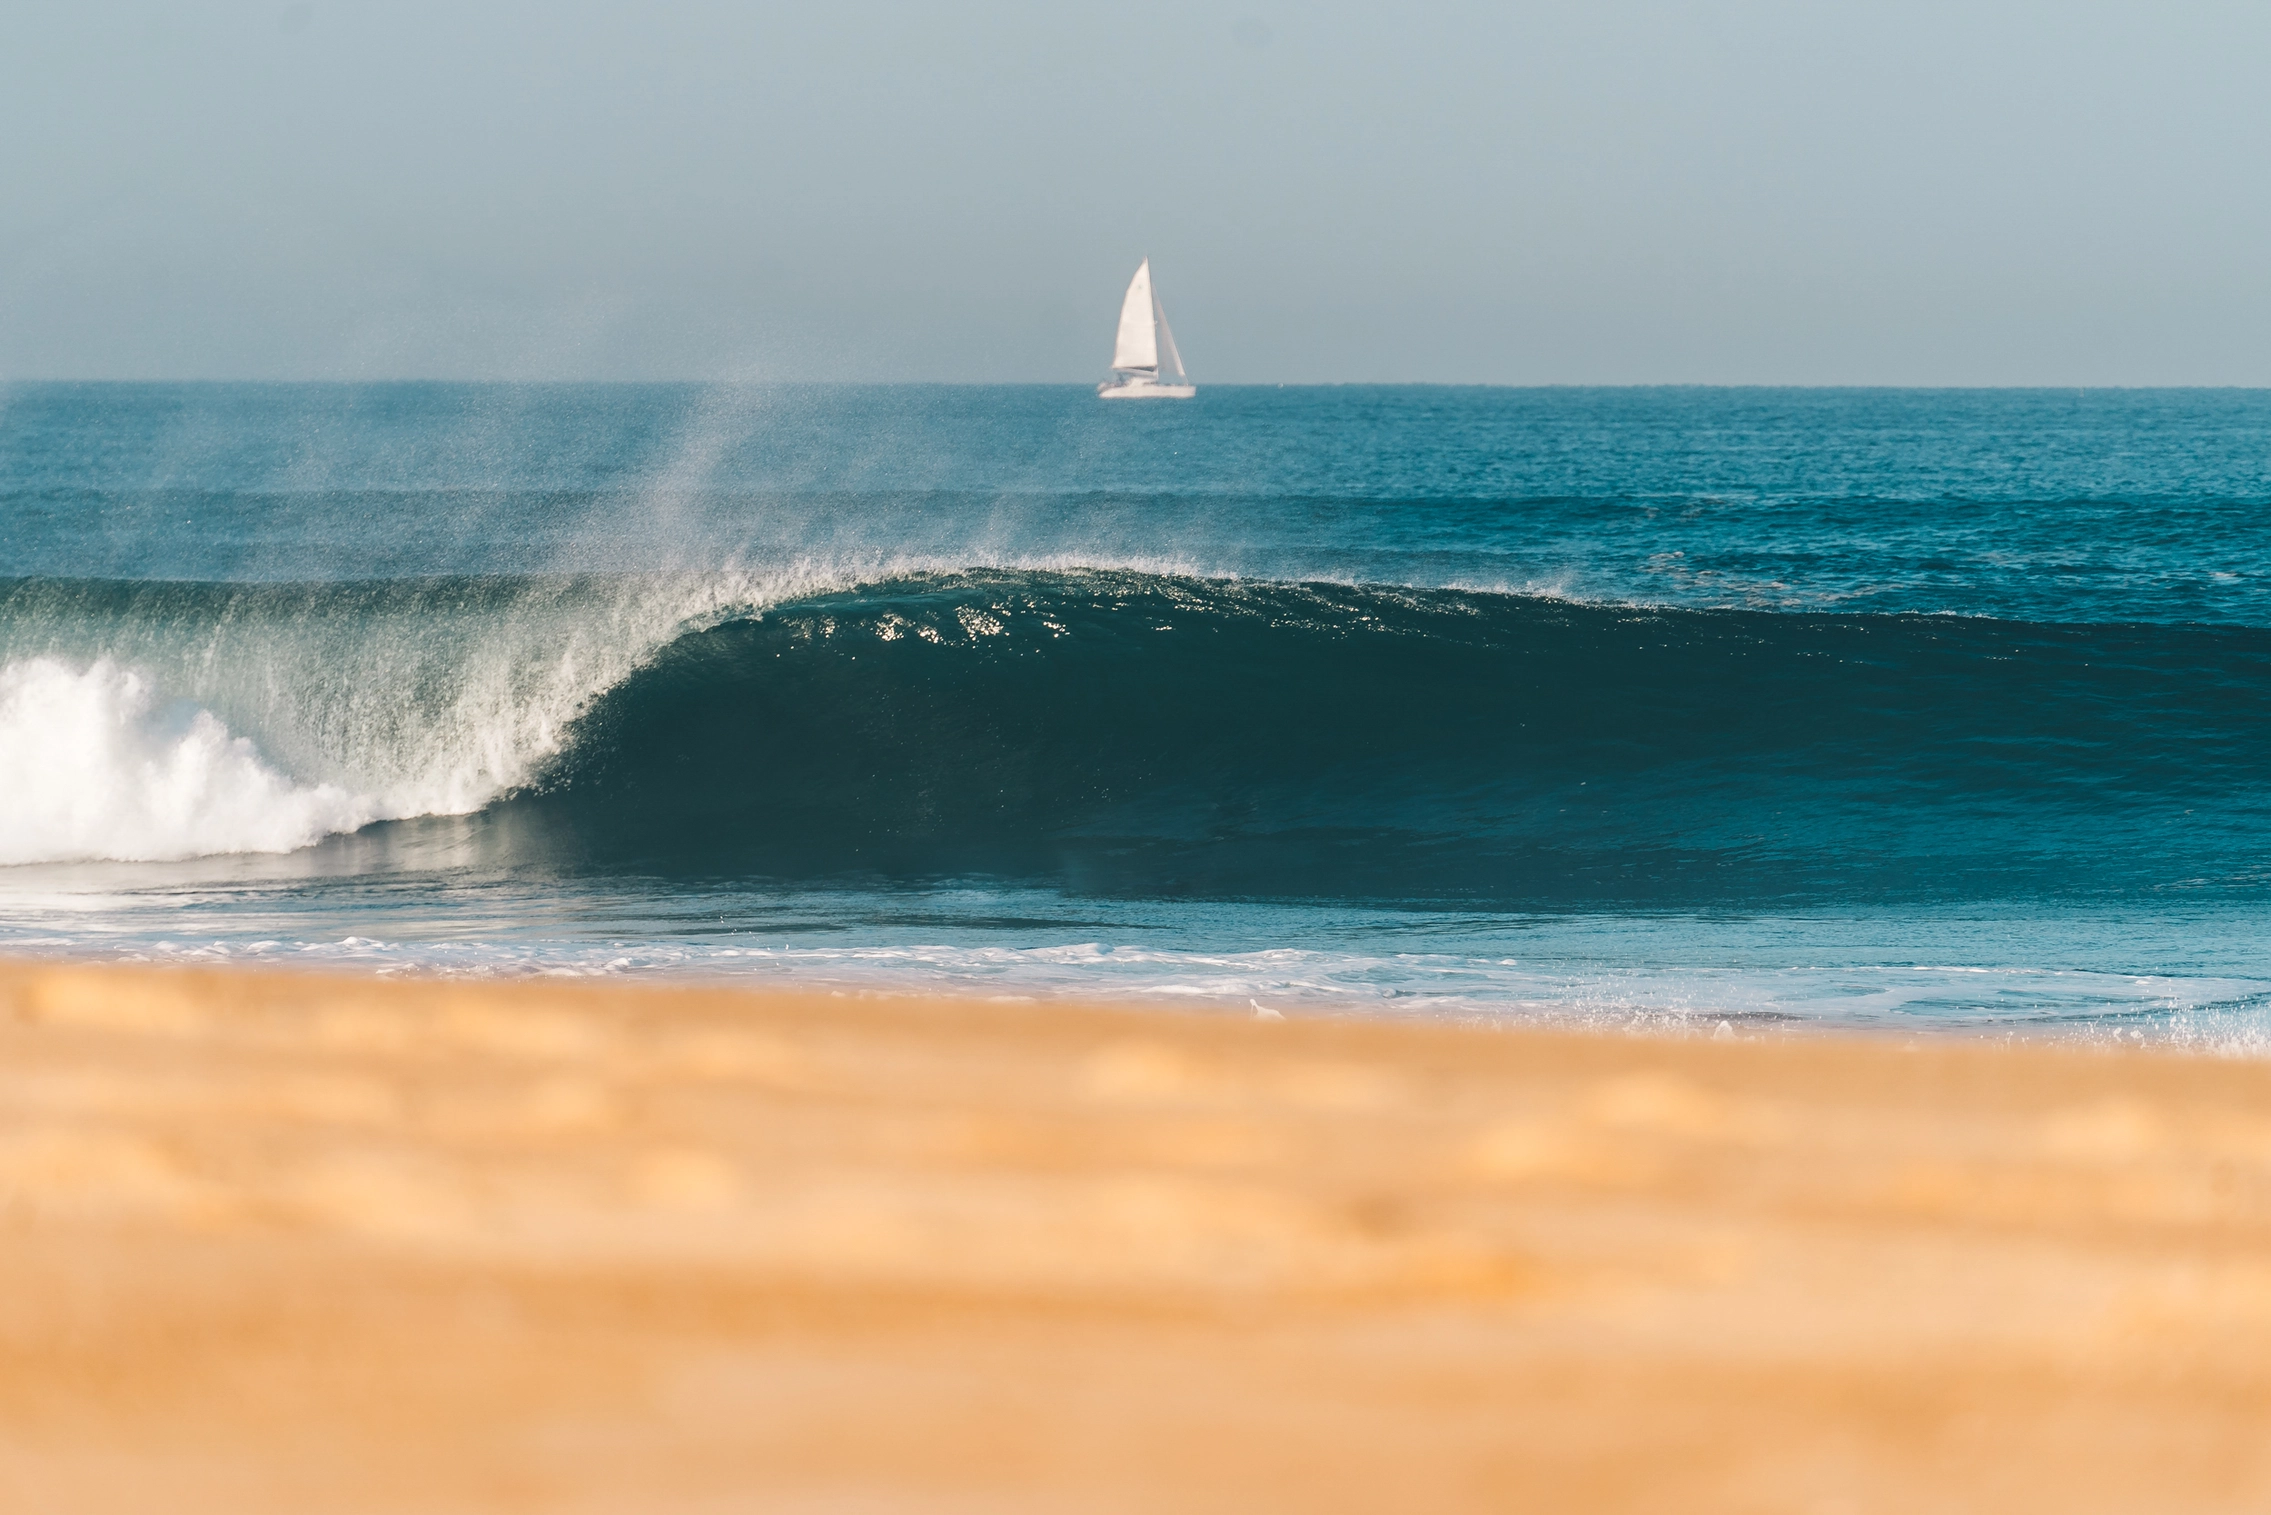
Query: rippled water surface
{"x": 1864, "y": 708}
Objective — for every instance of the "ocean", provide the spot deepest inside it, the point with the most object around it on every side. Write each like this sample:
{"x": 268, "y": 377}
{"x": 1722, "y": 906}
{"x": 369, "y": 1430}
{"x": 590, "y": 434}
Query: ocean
{"x": 1934, "y": 712}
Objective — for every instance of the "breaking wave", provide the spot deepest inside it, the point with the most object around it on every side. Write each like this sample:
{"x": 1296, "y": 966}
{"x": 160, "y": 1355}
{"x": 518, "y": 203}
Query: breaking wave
{"x": 1130, "y": 731}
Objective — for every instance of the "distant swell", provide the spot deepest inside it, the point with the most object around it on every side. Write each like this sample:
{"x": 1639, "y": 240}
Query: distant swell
{"x": 1125, "y": 731}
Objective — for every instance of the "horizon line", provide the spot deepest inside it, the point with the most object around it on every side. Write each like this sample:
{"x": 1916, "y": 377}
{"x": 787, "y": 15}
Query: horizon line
{"x": 788, "y": 383}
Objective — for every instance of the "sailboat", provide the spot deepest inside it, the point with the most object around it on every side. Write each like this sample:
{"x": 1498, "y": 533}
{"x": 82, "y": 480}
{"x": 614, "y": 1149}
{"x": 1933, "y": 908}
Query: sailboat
{"x": 1145, "y": 364}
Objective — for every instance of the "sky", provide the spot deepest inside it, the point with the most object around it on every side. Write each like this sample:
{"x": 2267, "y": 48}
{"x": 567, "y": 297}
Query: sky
{"x": 1597, "y": 193}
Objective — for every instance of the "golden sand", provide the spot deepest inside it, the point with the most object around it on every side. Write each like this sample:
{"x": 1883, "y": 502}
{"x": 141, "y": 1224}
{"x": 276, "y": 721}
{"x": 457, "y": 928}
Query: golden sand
{"x": 281, "y": 1243}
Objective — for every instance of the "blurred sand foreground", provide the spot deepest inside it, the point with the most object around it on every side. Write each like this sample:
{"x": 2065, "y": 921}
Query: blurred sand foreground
{"x": 274, "y": 1243}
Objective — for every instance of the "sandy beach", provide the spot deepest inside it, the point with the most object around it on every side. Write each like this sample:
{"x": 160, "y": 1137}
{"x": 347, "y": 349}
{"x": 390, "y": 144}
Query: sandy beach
{"x": 284, "y": 1243}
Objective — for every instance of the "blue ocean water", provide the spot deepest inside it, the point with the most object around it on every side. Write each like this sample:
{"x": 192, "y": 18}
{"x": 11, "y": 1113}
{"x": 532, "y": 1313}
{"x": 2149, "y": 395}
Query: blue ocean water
{"x": 1895, "y": 709}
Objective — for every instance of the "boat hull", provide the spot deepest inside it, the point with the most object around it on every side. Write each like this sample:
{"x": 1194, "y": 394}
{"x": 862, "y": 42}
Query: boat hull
{"x": 1144, "y": 389}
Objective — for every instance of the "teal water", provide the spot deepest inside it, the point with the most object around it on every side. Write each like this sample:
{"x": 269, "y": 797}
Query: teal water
{"x": 1944, "y": 710}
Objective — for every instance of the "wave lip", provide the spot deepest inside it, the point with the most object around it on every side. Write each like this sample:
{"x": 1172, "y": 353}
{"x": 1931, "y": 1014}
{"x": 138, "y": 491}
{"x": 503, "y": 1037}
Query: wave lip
{"x": 96, "y": 765}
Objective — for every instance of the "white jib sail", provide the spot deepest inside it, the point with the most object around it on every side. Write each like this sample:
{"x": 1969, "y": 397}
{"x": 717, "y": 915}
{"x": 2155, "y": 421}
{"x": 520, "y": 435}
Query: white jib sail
{"x": 1170, "y": 361}
{"x": 1137, "y": 347}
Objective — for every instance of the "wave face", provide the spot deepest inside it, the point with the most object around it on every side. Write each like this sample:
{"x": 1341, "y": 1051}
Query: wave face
{"x": 1120, "y": 731}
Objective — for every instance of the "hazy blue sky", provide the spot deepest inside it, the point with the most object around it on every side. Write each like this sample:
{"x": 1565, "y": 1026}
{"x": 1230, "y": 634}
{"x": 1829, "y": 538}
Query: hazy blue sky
{"x": 1973, "y": 193}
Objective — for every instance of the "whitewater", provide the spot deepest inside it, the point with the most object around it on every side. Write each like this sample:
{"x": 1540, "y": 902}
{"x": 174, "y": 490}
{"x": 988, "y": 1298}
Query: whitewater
{"x": 1710, "y": 708}
{"x": 173, "y": 720}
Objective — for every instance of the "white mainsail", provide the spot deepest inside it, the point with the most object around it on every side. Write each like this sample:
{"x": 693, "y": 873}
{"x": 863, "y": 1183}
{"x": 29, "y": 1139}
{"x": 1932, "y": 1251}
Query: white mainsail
{"x": 1138, "y": 347}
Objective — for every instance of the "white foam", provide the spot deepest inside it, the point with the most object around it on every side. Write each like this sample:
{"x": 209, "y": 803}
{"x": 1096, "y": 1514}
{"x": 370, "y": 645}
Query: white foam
{"x": 95, "y": 764}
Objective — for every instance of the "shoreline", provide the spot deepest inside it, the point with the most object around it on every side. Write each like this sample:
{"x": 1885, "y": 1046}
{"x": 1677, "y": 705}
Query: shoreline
{"x": 2174, "y": 1030}
{"x": 286, "y": 1240}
